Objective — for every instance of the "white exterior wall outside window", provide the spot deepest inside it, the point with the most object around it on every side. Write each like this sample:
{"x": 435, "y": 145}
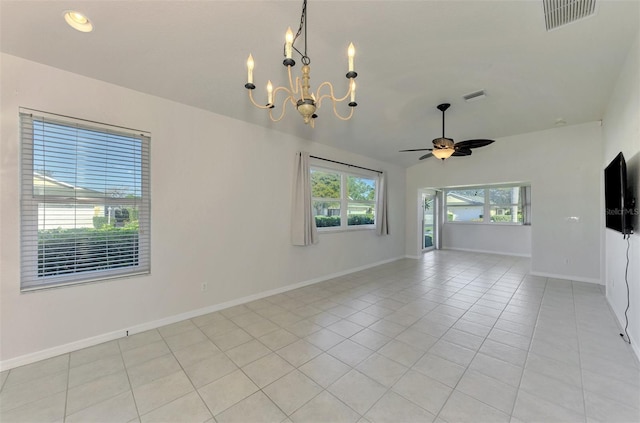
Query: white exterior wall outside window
{"x": 85, "y": 207}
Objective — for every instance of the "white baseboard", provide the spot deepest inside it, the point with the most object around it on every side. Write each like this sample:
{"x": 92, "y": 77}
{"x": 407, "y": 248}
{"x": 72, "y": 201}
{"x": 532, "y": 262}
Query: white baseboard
{"x": 502, "y": 253}
{"x": 106, "y": 337}
{"x": 566, "y": 277}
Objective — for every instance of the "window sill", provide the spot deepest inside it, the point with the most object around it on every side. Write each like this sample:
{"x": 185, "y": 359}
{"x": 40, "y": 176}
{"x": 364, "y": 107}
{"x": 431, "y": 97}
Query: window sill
{"x": 355, "y": 229}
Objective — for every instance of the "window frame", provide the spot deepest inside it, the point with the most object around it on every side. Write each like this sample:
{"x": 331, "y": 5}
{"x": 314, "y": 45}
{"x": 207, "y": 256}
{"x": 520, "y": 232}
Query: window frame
{"x": 32, "y": 201}
{"x": 344, "y": 197}
{"x": 487, "y": 205}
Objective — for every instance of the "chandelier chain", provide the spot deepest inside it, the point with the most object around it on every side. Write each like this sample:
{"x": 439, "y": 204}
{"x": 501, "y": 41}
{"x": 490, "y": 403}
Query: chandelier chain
{"x": 303, "y": 25}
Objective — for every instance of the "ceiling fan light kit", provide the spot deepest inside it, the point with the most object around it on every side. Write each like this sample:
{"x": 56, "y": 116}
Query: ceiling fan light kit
{"x": 298, "y": 93}
{"x": 444, "y": 147}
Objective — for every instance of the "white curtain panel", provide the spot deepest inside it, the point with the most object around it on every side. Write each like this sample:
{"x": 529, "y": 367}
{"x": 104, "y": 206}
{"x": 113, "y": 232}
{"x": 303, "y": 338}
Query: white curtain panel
{"x": 303, "y": 224}
{"x": 382, "y": 219}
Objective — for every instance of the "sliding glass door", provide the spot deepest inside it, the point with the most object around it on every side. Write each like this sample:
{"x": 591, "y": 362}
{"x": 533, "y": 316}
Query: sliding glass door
{"x": 429, "y": 220}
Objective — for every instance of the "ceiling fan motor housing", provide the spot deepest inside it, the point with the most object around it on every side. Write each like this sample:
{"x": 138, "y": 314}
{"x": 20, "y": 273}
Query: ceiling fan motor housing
{"x": 443, "y": 142}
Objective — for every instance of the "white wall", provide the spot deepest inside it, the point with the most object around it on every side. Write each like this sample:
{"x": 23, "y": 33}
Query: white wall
{"x": 563, "y": 166}
{"x": 622, "y": 133}
{"x": 221, "y": 193}
{"x": 498, "y": 239}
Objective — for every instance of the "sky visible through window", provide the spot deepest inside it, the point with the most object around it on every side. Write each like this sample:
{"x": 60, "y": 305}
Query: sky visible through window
{"x": 102, "y": 162}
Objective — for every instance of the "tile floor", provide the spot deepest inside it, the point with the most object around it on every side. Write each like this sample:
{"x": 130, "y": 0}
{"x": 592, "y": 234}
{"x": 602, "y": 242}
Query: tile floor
{"x": 454, "y": 337}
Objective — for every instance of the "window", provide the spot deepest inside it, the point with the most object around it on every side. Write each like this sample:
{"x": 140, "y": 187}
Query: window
{"x": 493, "y": 204}
{"x": 343, "y": 200}
{"x": 85, "y": 201}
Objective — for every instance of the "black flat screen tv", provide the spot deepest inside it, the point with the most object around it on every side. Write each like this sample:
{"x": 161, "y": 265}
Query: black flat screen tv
{"x": 616, "y": 196}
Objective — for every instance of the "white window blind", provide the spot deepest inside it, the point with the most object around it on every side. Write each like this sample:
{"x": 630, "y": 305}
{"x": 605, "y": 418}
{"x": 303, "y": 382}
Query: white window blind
{"x": 85, "y": 205}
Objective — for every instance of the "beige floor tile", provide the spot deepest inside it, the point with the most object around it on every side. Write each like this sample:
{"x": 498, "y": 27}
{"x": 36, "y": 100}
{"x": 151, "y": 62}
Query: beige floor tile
{"x": 20, "y": 394}
{"x": 96, "y": 352}
{"x": 120, "y": 408}
{"x": 358, "y": 391}
{"x": 261, "y": 328}
{"x": 452, "y": 352}
{"x": 325, "y": 369}
{"x": 231, "y": 339}
{"x": 218, "y": 327}
{"x": 48, "y": 409}
{"x": 350, "y": 352}
{"x": 497, "y": 369}
{"x": 325, "y": 408}
{"x": 488, "y": 390}
{"x": 421, "y": 390}
{"x": 176, "y": 328}
{"x": 553, "y": 390}
{"x": 504, "y": 352}
{"x": 533, "y": 408}
{"x": 278, "y": 339}
{"x": 161, "y": 391}
{"x": 438, "y": 368}
{"x": 303, "y": 328}
{"x": 400, "y": 352}
{"x": 186, "y": 409}
{"x": 370, "y": 339}
{"x": 95, "y": 369}
{"x": 257, "y": 408}
{"x": 267, "y": 369}
{"x": 381, "y": 369}
{"x": 292, "y": 391}
{"x": 463, "y": 408}
{"x": 196, "y": 353}
{"x": 36, "y": 370}
{"x": 144, "y": 353}
{"x": 417, "y": 339}
{"x": 603, "y": 409}
{"x": 299, "y": 352}
{"x": 392, "y": 408}
{"x": 248, "y": 352}
{"x": 209, "y": 370}
{"x": 324, "y": 339}
{"x": 227, "y": 391}
{"x": 153, "y": 369}
{"x": 185, "y": 339}
{"x": 96, "y": 391}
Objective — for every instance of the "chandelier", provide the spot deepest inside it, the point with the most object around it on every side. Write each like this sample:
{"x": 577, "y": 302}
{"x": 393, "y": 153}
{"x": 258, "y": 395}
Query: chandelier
{"x": 298, "y": 93}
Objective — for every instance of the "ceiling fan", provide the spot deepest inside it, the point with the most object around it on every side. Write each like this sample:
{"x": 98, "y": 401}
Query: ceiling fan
{"x": 444, "y": 148}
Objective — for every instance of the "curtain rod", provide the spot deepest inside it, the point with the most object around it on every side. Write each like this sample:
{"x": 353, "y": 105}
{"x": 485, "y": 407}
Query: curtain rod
{"x": 346, "y": 164}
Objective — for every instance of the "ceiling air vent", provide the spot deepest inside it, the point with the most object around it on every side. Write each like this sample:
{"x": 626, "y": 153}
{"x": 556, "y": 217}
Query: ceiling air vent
{"x": 478, "y": 95}
{"x": 561, "y": 12}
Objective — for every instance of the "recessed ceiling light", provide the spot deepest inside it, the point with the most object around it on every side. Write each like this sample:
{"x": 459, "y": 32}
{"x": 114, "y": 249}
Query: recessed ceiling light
{"x": 78, "y": 21}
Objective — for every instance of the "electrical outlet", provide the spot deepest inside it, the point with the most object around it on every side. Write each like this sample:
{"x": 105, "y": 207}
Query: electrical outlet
{"x": 204, "y": 286}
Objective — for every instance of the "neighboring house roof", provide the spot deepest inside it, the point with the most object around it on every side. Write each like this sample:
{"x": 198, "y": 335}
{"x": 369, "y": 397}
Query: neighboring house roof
{"x": 454, "y": 199}
{"x": 46, "y": 185}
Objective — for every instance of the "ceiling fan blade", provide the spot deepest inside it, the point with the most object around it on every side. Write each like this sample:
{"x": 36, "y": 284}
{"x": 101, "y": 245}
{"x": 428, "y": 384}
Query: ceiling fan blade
{"x": 417, "y": 149}
{"x": 426, "y": 156}
{"x": 462, "y": 152}
{"x": 473, "y": 143}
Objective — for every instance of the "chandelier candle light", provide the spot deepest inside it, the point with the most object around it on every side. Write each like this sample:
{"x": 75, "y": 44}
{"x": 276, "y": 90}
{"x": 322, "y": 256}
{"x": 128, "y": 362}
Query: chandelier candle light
{"x": 299, "y": 93}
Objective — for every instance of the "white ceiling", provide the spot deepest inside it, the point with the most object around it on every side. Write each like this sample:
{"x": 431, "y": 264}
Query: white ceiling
{"x": 410, "y": 56}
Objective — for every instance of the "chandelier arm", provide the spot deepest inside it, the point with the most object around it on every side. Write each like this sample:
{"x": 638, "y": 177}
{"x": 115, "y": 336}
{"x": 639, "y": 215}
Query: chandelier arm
{"x": 335, "y": 112}
{"x": 331, "y": 94}
{"x": 254, "y": 102}
{"x": 293, "y": 88}
{"x": 284, "y": 110}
